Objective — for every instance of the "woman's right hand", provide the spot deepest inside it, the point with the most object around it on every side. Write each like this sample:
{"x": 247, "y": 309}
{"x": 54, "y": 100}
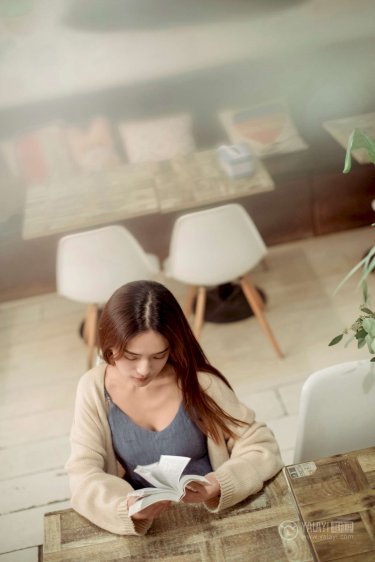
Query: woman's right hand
{"x": 148, "y": 513}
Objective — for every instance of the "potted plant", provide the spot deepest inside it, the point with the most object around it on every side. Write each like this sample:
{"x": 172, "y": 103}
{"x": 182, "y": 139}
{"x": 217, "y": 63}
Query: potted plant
{"x": 363, "y": 329}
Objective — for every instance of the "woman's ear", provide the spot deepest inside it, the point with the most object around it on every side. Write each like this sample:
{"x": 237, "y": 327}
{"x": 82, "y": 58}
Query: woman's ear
{"x": 111, "y": 357}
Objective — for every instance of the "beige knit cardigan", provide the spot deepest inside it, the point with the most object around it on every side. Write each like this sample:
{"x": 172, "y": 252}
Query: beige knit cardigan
{"x": 99, "y": 492}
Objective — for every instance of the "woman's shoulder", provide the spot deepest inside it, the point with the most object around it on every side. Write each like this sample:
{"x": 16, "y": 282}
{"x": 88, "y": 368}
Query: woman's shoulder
{"x": 93, "y": 379}
{"x": 215, "y": 386}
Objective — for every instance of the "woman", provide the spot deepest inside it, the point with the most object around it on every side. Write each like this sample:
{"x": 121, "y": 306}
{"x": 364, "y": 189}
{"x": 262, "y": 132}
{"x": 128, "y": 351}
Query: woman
{"x": 156, "y": 393}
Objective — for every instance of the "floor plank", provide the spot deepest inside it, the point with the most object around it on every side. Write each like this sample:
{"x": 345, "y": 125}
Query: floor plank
{"x": 25, "y": 555}
{"x": 29, "y": 526}
{"x": 34, "y": 457}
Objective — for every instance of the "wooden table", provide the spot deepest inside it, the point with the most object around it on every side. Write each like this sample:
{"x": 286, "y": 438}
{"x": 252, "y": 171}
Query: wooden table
{"x": 340, "y": 130}
{"x": 336, "y": 501}
{"x": 265, "y": 527}
{"x": 134, "y": 190}
{"x": 317, "y": 511}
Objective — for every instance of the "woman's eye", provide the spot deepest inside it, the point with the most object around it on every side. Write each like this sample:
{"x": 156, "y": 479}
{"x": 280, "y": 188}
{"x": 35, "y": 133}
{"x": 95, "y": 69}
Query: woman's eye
{"x": 160, "y": 356}
{"x": 130, "y": 358}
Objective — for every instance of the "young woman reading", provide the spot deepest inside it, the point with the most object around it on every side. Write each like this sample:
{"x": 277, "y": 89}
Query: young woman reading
{"x": 157, "y": 394}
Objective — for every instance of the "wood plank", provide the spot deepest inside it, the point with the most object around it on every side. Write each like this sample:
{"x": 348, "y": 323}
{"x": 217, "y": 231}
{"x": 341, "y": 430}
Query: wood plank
{"x": 34, "y": 457}
{"x": 337, "y": 504}
{"x": 33, "y": 490}
{"x": 52, "y": 534}
{"x": 29, "y": 400}
{"x": 29, "y": 524}
{"x": 35, "y": 427}
{"x": 25, "y": 555}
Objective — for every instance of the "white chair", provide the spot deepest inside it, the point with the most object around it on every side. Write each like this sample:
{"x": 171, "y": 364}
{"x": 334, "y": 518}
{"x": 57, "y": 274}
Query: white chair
{"x": 91, "y": 265}
{"x": 213, "y": 247}
{"x": 337, "y": 411}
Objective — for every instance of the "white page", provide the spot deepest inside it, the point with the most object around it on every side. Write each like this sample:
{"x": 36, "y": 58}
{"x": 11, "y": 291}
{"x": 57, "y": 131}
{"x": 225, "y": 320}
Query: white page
{"x": 142, "y": 503}
{"x": 166, "y": 473}
{"x": 200, "y": 480}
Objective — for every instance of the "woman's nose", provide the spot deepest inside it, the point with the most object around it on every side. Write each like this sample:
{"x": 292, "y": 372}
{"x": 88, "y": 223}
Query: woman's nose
{"x": 143, "y": 368}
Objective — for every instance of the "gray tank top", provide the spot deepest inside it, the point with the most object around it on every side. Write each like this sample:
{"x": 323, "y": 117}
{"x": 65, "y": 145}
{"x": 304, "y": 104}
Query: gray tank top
{"x": 135, "y": 445}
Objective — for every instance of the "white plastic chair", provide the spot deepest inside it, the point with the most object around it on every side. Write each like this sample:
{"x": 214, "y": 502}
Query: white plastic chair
{"x": 337, "y": 411}
{"x": 91, "y": 265}
{"x": 213, "y": 247}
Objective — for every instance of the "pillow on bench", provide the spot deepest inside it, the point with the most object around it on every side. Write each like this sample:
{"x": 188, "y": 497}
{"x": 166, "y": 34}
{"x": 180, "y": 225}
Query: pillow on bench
{"x": 267, "y": 128}
{"x": 157, "y": 139}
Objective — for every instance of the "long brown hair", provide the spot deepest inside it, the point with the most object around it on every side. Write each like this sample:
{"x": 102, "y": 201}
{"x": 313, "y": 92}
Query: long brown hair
{"x": 147, "y": 305}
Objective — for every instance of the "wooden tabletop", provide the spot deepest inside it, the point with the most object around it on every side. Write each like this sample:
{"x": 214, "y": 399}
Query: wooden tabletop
{"x": 336, "y": 500}
{"x": 133, "y": 190}
{"x": 340, "y": 130}
{"x": 265, "y": 528}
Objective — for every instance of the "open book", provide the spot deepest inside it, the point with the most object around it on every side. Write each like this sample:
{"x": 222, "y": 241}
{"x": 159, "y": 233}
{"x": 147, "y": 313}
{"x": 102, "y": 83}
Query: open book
{"x": 165, "y": 475}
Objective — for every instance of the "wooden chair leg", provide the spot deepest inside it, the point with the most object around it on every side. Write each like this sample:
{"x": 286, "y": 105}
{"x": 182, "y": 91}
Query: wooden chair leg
{"x": 89, "y": 334}
{"x": 188, "y": 305}
{"x": 253, "y": 300}
{"x": 258, "y": 297}
{"x": 199, "y": 311}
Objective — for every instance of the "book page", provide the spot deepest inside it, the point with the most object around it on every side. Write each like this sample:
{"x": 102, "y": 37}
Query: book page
{"x": 166, "y": 473}
{"x": 192, "y": 478}
{"x": 162, "y": 495}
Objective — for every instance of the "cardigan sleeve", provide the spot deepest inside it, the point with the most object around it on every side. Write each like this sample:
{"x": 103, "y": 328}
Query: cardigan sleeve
{"x": 254, "y": 455}
{"x": 96, "y": 494}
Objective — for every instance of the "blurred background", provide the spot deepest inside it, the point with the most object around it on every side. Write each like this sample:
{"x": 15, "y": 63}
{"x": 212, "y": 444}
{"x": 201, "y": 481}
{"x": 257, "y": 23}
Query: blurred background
{"x": 64, "y": 64}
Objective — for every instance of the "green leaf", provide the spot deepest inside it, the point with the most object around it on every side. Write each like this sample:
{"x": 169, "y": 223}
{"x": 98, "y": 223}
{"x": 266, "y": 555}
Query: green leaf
{"x": 360, "y": 334}
{"x": 368, "y": 265}
{"x": 372, "y": 360}
{"x": 366, "y": 310}
{"x": 368, "y": 340}
{"x": 361, "y": 343}
{"x": 348, "y": 275}
{"x": 369, "y": 325}
{"x": 358, "y": 139}
{"x": 336, "y": 340}
{"x": 365, "y": 292}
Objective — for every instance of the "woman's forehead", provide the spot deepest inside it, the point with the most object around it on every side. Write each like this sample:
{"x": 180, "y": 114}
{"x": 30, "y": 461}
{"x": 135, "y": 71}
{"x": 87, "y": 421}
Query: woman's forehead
{"x": 147, "y": 342}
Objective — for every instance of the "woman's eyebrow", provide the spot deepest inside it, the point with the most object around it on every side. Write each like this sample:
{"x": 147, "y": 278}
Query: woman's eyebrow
{"x": 138, "y": 354}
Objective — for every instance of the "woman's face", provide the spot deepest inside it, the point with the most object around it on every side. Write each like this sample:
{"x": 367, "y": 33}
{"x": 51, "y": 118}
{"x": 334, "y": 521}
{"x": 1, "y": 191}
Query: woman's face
{"x": 145, "y": 356}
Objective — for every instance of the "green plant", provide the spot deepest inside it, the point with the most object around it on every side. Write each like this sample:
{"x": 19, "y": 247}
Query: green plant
{"x": 364, "y": 326}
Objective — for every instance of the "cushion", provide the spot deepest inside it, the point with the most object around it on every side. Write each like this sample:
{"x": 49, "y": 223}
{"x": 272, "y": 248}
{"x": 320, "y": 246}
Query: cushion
{"x": 92, "y": 148}
{"x": 41, "y": 155}
{"x": 157, "y": 139}
{"x": 267, "y": 128}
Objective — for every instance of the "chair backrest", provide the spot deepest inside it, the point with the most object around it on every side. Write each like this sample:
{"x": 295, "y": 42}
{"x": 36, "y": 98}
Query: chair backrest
{"x": 337, "y": 411}
{"x": 91, "y": 265}
{"x": 214, "y": 246}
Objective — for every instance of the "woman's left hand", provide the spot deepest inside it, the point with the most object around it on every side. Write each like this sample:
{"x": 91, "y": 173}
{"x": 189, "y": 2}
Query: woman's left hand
{"x": 200, "y": 493}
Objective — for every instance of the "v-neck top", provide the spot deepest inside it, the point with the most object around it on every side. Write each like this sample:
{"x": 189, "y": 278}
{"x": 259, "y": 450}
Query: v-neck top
{"x": 135, "y": 445}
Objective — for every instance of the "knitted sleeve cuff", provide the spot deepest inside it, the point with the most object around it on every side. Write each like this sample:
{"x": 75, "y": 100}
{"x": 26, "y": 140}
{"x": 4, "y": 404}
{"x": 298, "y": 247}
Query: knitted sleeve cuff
{"x": 226, "y": 493}
{"x": 130, "y": 527}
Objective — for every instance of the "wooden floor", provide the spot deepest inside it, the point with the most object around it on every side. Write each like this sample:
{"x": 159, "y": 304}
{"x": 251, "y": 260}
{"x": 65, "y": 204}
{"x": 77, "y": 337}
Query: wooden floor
{"x": 42, "y": 358}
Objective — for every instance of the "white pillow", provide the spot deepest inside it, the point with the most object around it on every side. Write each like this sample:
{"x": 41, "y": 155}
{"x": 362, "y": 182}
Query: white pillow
{"x": 267, "y": 128}
{"x": 157, "y": 139}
